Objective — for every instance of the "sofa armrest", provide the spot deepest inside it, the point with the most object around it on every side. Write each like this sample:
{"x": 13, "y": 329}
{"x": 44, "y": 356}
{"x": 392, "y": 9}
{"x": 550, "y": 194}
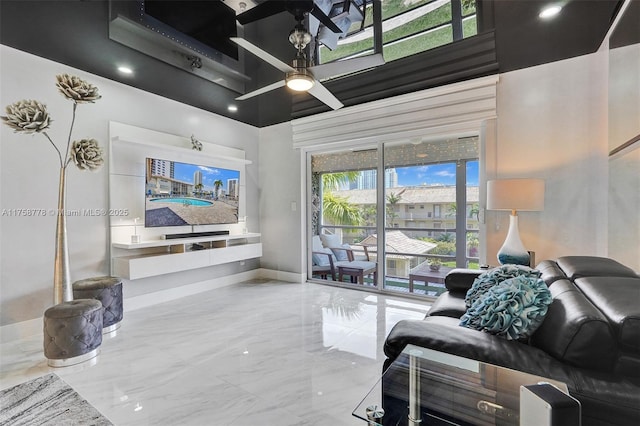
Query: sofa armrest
{"x": 606, "y": 399}
{"x": 445, "y": 335}
{"x": 461, "y": 280}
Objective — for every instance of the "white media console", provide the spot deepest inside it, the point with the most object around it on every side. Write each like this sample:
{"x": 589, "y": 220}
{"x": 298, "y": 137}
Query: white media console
{"x": 154, "y": 256}
{"x": 157, "y": 257}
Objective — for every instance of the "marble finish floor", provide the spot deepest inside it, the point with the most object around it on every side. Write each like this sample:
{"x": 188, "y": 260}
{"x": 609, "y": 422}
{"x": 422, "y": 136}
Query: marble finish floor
{"x": 253, "y": 353}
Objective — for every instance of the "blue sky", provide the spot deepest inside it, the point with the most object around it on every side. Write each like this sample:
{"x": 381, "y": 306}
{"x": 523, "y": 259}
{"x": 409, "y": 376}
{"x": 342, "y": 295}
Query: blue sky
{"x": 184, "y": 172}
{"x": 435, "y": 174}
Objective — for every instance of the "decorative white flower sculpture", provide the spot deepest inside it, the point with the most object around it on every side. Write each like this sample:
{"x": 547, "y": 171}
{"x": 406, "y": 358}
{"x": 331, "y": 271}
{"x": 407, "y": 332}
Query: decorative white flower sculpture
{"x": 30, "y": 116}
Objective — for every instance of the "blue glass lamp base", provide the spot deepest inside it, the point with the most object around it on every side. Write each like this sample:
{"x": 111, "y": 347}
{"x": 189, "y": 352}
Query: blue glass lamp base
{"x": 513, "y": 251}
{"x": 513, "y": 258}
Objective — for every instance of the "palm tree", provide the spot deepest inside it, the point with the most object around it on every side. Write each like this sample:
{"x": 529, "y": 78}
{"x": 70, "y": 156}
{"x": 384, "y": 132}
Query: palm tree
{"x": 198, "y": 187}
{"x": 392, "y": 200}
{"x": 339, "y": 211}
{"x": 217, "y": 185}
{"x": 333, "y": 181}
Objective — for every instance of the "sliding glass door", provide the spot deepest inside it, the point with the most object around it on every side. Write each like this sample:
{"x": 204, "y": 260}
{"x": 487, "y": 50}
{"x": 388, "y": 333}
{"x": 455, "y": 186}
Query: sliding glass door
{"x": 426, "y": 234}
{"x": 344, "y": 216}
{"x": 395, "y": 206}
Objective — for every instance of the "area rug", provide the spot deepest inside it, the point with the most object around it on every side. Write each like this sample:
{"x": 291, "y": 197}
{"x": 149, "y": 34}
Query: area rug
{"x": 47, "y": 400}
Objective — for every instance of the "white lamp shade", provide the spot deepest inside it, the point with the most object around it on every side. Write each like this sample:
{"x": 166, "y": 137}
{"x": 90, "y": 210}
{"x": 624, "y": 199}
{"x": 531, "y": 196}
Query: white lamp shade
{"x": 515, "y": 194}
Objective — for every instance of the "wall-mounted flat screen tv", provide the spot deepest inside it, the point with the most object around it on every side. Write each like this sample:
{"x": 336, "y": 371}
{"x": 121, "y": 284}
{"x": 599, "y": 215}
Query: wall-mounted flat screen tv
{"x": 182, "y": 194}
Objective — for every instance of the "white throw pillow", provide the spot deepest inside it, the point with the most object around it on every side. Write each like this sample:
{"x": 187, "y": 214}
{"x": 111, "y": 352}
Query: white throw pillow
{"x": 331, "y": 241}
{"x": 316, "y": 243}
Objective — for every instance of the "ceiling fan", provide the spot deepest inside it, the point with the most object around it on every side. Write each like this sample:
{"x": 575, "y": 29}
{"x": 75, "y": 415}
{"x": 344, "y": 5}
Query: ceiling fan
{"x": 300, "y": 76}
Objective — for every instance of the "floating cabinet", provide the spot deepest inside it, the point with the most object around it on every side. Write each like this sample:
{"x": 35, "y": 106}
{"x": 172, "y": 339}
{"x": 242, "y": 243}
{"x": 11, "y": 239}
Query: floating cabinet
{"x": 158, "y": 257}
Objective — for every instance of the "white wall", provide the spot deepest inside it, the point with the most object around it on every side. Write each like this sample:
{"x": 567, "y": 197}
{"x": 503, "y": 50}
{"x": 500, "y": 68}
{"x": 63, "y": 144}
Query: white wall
{"x": 29, "y": 174}
{"x": 624, "y": 167}
{"x": 552, "y": 124}
{"x": 281, "y": 187}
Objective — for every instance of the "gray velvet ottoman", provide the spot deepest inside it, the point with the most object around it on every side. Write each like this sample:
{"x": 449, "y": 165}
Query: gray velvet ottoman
{"x": 108, "y": 290}
{"x": 72, "y": 332}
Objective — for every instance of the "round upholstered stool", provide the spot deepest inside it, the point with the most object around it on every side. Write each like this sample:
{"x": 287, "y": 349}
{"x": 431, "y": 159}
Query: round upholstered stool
{"x": 72, "y": 332}
{"x": 108, "y": 290}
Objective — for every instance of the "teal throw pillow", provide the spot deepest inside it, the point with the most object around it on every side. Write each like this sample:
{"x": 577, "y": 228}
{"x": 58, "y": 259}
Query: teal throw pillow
{"x": 488, "y": 279}
{"x": 512, "y": 309}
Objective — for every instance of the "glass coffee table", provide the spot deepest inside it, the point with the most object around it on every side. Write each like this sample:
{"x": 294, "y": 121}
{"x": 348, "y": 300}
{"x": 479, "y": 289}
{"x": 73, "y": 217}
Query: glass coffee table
{"x": 427, "y": 387}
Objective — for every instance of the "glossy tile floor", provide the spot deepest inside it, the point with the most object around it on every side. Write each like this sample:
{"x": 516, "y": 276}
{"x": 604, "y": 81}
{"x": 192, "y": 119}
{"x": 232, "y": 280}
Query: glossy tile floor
{"x": 254, "y": 353}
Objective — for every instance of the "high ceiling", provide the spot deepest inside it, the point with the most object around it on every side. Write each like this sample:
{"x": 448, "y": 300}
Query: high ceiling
{"x": 76, "y": 33}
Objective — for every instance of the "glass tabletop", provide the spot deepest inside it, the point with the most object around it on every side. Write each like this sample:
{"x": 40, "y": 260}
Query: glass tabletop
{"x": 426, "y": 387}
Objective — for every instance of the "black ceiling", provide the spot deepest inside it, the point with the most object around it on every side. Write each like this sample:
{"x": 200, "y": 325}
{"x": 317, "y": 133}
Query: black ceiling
{"x": 76, "y": 33}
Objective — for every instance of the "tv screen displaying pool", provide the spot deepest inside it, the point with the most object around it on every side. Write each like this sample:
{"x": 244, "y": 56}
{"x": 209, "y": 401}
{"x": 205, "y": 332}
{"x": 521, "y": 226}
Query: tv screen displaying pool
{"x": 182, "y": 194}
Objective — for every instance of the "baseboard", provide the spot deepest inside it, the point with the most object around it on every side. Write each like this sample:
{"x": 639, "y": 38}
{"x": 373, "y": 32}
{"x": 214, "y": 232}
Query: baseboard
{"x": 272, "y": 274}
{"x": 32, "y": 327}
{"x": 162, "y": 296}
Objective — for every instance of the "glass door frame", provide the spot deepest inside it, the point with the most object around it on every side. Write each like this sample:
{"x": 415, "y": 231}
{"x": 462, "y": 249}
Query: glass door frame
{"x": 469, "y": 129}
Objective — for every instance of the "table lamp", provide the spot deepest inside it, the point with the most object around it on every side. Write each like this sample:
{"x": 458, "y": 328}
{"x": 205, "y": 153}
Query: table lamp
{"x": 514, "y": 195}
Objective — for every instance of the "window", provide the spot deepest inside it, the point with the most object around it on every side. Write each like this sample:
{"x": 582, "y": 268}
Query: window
{"x": 408, "y": 27}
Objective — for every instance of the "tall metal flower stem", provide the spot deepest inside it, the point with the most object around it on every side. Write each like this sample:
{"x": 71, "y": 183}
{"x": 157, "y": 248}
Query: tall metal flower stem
{"x": 29, "y": 116}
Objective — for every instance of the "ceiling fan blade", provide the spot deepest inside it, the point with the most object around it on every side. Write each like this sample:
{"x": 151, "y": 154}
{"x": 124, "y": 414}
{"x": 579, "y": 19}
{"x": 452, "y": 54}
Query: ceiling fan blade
{"x": 346, "y": 66}
{"x": 267, "y": 57}
{"x": 262, "y": 10}
{"x": 262, "y": 90}
{"x": 322, "y": 17}
{"x": 322, "y": 94}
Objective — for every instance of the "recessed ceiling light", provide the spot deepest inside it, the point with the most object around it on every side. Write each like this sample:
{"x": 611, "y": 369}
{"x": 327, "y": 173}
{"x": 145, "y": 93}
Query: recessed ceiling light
{"x": 232, "y": 108}
{"x": 550, "y": 11}
{"x": 125, "y": 70}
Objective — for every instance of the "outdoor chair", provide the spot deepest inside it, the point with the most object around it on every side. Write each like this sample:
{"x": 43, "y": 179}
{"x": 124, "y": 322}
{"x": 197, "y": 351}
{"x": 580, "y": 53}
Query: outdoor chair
{"x": 323, "y": 265}
{"x": 354, "y": 268}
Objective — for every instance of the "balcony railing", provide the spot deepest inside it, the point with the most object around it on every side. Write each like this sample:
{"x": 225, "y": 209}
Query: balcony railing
{"x": 399, "y": 264}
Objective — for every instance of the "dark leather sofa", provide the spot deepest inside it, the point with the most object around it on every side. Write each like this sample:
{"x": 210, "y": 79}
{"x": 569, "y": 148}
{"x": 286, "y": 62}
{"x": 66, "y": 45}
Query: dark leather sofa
{"x": 589, "y": 339}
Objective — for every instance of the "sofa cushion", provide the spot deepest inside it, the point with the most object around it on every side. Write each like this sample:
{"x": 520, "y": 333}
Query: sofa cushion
{"x": 628, "y": 365}
{"x": 512, "y": 309}
{"x": 461, "y": 279}
{"x": 550, "y": 272}
{"x": 593, "y": 266}
{"x": 618, "y": 298}
{"x": 448, "y": 304}
{"x": 574, "y": 331}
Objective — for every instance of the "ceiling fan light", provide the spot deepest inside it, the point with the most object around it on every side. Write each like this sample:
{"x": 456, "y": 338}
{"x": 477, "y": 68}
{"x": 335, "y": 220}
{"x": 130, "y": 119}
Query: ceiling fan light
{"x": 550, "y": 11}
{"x": 299, "y": 82}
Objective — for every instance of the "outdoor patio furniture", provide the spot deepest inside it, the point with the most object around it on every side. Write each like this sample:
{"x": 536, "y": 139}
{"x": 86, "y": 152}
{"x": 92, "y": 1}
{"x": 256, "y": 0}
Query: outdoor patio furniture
{"x": 321, "y": 267}
{"x": 424, "y": 273}
{"x": 357, "y": 270}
